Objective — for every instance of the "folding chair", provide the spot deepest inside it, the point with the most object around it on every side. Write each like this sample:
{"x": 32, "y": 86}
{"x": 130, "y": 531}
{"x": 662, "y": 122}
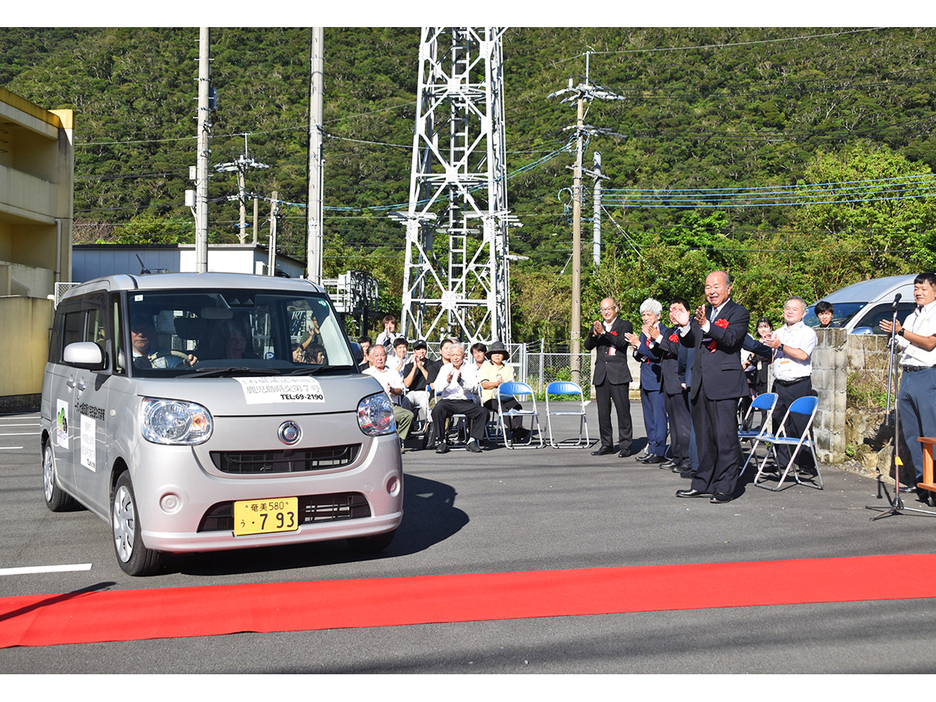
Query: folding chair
{"x": 765, "y": 403}
{"x": 805, "y": 406}
{"x": 569, "y": 389}
{"x": 458, "y": 423}
{"x": 515, "y": 389}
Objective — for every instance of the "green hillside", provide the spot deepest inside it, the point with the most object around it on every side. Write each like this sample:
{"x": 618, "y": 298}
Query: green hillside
{"x": 721, "y": 135}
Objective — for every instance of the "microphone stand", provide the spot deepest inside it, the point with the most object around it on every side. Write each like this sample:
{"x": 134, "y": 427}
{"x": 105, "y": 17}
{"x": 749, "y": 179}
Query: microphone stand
{"x": 896, "y": 505}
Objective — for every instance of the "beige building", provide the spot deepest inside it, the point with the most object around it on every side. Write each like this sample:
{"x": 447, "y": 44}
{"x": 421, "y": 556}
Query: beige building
{"x": 37, "y": 160}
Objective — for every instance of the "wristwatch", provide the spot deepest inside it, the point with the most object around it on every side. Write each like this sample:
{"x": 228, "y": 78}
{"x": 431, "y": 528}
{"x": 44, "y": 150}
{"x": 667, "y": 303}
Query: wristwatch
{"x": 901, "y": 332}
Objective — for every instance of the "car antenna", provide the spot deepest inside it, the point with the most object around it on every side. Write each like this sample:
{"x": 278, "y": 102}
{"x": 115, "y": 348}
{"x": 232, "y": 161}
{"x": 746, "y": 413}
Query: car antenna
{"x": 144, "y": 270}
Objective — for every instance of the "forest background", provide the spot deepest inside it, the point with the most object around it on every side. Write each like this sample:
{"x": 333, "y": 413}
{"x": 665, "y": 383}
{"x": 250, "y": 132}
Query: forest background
{"x": 800, "y": 160}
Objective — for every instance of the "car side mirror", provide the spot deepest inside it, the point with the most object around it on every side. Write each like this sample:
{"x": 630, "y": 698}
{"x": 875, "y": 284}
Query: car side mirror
{"x": 84, "y": 354}
{"x": 357, "y": 352}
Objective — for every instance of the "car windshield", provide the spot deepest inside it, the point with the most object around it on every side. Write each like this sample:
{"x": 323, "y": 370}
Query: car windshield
{"x": 842, "y": 312}
{"x": 234, "y": 332}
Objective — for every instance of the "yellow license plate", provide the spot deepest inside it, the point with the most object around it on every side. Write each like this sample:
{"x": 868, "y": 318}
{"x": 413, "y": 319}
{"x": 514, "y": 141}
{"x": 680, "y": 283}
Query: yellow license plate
{"x": 266, "y": 516}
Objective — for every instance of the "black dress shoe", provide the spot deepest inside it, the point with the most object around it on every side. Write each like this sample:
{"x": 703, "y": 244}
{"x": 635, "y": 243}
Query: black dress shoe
{"x": 720, "y": 498}
{"x": 652, "y": 458}
{"x": 691, "y": 493}
{"x": 689, "y": 474}
{"x": 473, "y": 446}
{"x": 603, "y": 451}
{"x": 442, "y": 447}
{"x": 669, "y": 465}
{"x": 907, "y": 489}
{"x": 624, "y": 453}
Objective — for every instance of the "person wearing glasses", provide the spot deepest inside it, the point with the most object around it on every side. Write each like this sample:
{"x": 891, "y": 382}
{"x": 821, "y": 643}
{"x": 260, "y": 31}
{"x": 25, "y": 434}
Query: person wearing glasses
{"x": 612, "y": 378}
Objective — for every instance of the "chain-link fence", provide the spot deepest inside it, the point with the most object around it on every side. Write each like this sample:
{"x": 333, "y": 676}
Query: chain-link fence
{"x": 544, "y": 368}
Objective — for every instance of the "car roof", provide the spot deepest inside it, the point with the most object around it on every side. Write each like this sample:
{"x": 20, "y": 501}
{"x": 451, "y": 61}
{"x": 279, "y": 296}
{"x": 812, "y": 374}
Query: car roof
{"x": 872, "y": 290}
{"x": 177, "y": 281}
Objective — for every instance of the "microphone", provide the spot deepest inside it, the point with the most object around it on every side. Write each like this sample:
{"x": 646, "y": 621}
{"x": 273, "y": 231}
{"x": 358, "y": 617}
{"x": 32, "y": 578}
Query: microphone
{"x": 896, "y": 300}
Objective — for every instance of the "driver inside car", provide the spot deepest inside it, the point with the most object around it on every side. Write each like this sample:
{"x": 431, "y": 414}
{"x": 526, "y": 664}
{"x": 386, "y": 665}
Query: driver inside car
{"x": 143, "y": 342}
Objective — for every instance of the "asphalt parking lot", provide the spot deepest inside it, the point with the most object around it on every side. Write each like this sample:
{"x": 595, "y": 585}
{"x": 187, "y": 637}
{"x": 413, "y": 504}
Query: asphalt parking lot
{"x": 509, "y": 511}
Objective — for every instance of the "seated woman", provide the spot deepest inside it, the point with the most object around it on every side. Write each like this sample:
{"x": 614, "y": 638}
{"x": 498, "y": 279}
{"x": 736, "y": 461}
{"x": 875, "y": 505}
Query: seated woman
{"x": 233, "y": 342}
{"x": 492, "y": 376}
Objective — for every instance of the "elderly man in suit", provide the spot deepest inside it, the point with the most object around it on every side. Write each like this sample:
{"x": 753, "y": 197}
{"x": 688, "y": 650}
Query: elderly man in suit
{"x": 716, "y": 332}
{"x": 611, "y": 378}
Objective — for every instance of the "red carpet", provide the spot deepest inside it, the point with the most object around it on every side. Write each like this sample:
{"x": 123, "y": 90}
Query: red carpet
{"x": 127, "y": 615}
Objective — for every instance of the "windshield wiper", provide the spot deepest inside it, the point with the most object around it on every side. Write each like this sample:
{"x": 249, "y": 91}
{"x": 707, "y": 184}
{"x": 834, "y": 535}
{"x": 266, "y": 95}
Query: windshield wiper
{"x": 234, "y": 370}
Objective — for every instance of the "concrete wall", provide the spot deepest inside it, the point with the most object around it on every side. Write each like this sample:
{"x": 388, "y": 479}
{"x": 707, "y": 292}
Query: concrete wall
{"x": 37, "y": 164}
{"x": 95, "y": 260}
{"x": 24, "y": 348}
{"x": 836, "y": 356}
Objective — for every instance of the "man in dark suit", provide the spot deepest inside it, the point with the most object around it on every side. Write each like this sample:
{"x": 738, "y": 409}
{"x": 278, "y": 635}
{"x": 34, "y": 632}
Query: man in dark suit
{"x": 675, "y": 389}
{"x": 716, "y": 332}
{"x": 611, "y": 378}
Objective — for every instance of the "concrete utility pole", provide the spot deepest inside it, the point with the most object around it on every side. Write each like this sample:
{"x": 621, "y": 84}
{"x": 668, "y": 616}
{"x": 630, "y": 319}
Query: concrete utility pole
{"x": 580, "y": 93}
{"x": 240, "y": 166}
{"x": 271, "y": 253}
{"x": 316, "y": 238}
{"x": 201, "y": 183}
{"x": 596, "y": 224}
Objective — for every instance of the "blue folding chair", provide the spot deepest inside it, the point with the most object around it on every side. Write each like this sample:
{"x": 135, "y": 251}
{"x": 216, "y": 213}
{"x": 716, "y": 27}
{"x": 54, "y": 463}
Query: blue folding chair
{"x": 515, "y": 389}
{"x": 764, "y": 403}
{"x": 804, "y": 406}
{"x": 573, "y": 390}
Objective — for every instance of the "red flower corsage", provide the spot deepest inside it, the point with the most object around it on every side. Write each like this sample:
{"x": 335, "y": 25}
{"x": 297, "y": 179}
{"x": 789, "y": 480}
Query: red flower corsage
{"x": 723, "y": 323}
{"x": 674, "y": 338}
{"x": 614, "y": 333}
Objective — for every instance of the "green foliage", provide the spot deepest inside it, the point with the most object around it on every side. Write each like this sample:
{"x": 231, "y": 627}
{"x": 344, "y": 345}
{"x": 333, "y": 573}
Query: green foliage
{"x": 747, "y": 107}
{"x": 149, "y": 228}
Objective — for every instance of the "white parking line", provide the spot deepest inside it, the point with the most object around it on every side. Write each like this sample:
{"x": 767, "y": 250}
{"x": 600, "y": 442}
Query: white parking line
{"x": 10, "y": 448}
{"x": 21, "y": 433}
{"x": 30, "y": 570}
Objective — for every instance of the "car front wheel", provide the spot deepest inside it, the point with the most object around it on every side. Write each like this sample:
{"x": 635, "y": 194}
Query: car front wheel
{"x": 132, "y": 556}
{"x": 56, "y": 499}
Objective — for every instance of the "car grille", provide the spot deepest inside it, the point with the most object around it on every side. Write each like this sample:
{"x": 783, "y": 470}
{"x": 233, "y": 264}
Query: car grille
{"x": 312, "y": 509}
{"x": 285, "y": 461}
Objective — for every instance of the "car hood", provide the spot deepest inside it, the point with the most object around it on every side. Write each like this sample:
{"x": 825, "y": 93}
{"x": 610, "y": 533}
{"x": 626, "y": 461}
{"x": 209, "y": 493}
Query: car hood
{"x": 265, "y": 395}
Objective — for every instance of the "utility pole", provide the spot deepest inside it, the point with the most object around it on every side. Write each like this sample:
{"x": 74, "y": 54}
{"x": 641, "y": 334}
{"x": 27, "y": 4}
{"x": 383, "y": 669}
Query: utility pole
{"x": 596, "y": 213}
{"x": 201, "y": 183}
{"x": 240, "y": 166}
{"x": 580, "y": 93}
{"x": 271, "y": 253}
{"x": 316, "y": 237}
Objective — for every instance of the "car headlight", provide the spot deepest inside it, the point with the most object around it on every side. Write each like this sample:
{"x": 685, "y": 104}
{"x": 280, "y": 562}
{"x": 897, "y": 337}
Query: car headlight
{"x": 175, "y": 422}
{"x": 375, "y": 415}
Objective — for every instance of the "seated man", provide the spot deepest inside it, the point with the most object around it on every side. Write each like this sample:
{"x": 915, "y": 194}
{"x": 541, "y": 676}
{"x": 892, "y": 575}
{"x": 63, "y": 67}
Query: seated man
{"x": 143, "y": 343}
{"x": 458, "y": 394}
{"x": 392, "y": 385}
{"x": 416, "y": 379}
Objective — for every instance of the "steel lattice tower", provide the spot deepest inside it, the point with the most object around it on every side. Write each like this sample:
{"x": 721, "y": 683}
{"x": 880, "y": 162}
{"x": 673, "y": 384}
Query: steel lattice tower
{"x": 458, "y": 285}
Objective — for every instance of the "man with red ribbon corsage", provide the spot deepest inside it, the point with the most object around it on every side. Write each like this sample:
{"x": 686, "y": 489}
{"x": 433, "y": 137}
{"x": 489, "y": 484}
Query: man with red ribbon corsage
{"x": 611, "y": 378}
{"x": 716, "y": 331}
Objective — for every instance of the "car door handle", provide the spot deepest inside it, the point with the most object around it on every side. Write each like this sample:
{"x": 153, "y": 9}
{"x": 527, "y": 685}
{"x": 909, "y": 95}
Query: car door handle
{"x": 72, "y": 383}
{"x": 80, "y": 384}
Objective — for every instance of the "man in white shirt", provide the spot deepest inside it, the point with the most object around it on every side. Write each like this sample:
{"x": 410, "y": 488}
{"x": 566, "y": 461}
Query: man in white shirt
{"x": 393, "y": 385}
{"x": 459, "y": 392}
{"x": 793, "y": 345}
{"x": 917, "y": 396}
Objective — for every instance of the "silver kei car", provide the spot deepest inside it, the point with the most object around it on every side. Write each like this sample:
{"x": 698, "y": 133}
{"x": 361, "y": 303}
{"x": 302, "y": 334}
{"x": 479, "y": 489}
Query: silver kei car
{"x": 202, "y": 412}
